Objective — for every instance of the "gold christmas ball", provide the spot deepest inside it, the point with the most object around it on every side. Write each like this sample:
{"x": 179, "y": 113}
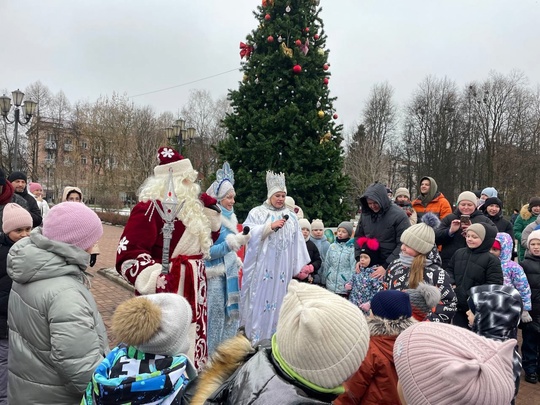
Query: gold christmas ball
{"x": 320, "y": 114}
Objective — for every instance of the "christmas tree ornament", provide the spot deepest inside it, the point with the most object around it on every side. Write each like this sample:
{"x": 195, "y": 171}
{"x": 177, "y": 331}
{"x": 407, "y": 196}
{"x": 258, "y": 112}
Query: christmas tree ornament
{"x": 316, "y": 36}
{"x": 267, "y": 17}
{"x": 320, "y": 51}
{"x": 335, "y": 116}
{"x": 325, "y": 138}
{"x": 306, "y": 29}
{"x": 270, "y": 39}
{"x": 321, "y": 114}
{"x": 325, "y": 66}
{"x": 264, "y": 3}
{"x": 245, "y": 78}
{"x": 304, "y": 48}
{"x": 318, "y": 104}
{"x": 325, "y": 80}
{"x": 286, "y": 50}
{"x": 297, "y": 69}
{"x": 245, "y": 50}
{"x": 288, "y": 9}
{"x": 298, "y": 42}
{"x": 279, "y": 39}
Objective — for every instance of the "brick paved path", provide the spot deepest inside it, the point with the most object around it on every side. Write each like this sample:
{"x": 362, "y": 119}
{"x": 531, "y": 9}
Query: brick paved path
{"x": 109, "y": 294}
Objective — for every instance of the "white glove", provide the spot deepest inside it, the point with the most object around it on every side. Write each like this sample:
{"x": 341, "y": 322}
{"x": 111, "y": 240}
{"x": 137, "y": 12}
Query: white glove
{"x": 526, "y": 317}
{"x": 235, "y": 242}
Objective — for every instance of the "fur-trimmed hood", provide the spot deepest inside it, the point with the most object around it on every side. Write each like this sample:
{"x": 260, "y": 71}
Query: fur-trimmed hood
{"x": 228, "y": 357}
{"x": 525, "y": 213}
{"x": 388, "y": 327}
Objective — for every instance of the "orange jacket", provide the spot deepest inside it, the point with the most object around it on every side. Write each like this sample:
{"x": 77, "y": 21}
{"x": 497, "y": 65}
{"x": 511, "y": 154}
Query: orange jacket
{"x": 438, "y": 206}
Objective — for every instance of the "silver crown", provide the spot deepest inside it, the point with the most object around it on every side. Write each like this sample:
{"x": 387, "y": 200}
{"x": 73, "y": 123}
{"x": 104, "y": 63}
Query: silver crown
{"x": 222, "y": 175}
{"x": 275, "y": 182}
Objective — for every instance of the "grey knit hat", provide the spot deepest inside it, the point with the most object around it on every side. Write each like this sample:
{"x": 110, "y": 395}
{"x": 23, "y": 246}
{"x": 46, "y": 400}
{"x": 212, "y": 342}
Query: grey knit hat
{"x": 421, "y": 237}
{"x": 154, "y": 323}
{"x": 479, "y": 230}
{"x": 348, "y": 226}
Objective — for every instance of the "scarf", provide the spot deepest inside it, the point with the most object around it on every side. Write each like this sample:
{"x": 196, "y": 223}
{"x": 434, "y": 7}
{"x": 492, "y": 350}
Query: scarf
{"x": 7, "y": 193}
{"x": 231, "y": 263}
{"x": 127, "y": 375}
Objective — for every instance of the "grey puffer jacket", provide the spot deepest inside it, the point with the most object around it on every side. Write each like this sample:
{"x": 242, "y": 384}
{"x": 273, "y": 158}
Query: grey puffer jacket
{"x": 57, "y": 337}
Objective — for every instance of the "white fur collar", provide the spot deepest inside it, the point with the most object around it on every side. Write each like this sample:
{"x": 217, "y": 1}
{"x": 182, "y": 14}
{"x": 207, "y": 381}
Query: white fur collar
{"x": 230, "y": 224}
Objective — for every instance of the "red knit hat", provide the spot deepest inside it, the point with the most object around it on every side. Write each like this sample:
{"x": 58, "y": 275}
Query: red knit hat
{"x": 170, "y": 159}
{"x": 497, "y": 245}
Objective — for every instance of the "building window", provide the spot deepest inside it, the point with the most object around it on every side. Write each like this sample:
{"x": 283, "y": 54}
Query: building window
{"x": 83, "y": 160}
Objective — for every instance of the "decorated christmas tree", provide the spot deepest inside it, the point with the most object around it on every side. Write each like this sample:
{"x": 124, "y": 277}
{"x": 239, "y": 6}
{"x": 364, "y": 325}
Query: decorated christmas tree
{"x": 283, "y": 117}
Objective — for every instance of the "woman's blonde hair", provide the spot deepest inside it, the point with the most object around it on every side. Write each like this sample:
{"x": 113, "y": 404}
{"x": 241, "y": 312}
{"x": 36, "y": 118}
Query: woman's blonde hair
{"x": 417, "y": 270}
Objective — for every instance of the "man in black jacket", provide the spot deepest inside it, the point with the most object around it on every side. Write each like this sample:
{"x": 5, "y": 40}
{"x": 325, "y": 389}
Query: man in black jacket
{"x": 18, "y": 180}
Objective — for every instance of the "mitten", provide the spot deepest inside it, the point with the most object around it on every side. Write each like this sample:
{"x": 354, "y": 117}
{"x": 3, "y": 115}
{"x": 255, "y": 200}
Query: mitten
{"x": 93, "y": 258}
{"x": 526, "y": 317}
{"x": 305, "y": 272}
{"x": 209, "y": 202}
{"x": 348, "y": 286}
{"x": 167, "y": 283}
{"x": 235, "y": 242}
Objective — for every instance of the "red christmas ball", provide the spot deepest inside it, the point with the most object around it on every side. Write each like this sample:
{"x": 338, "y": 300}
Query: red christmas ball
{"x": 325, "y": 66}
{"x": 297, "y": 69}
{"x": 298, "y": 42}
{"x": 264, "y": 4}
{"x": 316, "y": 36}
{"x": 306, "y": 29}
{"x": 270, "y": 38}
{"x": 267, "y": 17}
{"x": 325, "y": 80}
{"x": 335, "y": 116}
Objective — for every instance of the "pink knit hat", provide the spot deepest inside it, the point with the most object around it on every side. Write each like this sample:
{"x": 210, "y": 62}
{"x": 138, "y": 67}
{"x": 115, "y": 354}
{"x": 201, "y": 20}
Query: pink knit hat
{"x": 15, "y": 217}
{"x": 444, "y": 364}
{"x": 34, "y": 186}
{"x": 71, "y": 223}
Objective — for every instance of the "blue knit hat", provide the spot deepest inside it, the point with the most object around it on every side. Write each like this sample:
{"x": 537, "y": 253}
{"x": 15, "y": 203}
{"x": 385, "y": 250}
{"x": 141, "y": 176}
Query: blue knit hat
{"x": 391, "y": 304}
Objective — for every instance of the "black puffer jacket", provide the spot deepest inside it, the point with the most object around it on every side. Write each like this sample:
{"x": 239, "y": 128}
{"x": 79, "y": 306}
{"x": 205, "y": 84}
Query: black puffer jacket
{"x": 531, "y": 267}
{"x": 451, "y": 243}
{"x": 316, "y": 261}
{"x": 472, "y": 267}
{"x": 386, "y": 226}
{"x": 5, "y": 284}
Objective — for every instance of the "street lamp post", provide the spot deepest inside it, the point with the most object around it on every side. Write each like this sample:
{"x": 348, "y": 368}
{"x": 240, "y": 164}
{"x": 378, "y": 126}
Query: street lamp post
{"x": 29, "y": 108}
{"x": 179, "y": 133}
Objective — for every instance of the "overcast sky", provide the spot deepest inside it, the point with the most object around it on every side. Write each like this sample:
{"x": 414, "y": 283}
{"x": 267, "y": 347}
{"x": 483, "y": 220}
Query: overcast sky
{"x": 91, "y": 48}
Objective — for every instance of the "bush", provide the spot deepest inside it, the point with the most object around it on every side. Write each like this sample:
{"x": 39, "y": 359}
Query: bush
{"x": 113, "y": 218}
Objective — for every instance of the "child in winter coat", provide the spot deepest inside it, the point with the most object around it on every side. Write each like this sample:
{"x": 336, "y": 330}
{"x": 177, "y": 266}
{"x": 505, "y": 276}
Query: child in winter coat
{"x": 16, "y": 224}
{"x": 528, "y": 213}
{"x": 403, "y": 201}
{"x": 310, "y": 272}
{"x": 375, "y": 382}
{"x": 494, "y": 313}
{"x": 513, "y": 274}
{"x": 56, "y": 334}
{"x": 340, "y": 262}
{"x": 419, "y": 261}
{"x": 472, "y": 266}
{"x": 150, "y": 365}
{"x": 319, "y": 239}
{"x": 530, "y": 349}
{"x": 363, "y": 286}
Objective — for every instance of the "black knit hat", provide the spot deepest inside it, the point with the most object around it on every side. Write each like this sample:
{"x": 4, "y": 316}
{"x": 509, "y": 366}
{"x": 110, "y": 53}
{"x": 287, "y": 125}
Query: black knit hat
{"x": 391, "y": 304}
{"x": 534, "y": 202}
{"x": 490, "y": 201}
{"x": 17, "y": 176}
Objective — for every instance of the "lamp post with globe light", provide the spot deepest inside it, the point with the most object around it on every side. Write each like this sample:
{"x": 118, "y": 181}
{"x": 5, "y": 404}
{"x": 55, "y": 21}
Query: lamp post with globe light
{"x": 28, "y": 109}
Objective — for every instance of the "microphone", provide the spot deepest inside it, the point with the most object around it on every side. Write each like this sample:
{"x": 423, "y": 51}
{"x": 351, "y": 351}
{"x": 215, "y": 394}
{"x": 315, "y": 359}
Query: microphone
{"x": 245, "y": 231}
{"x": 285, "y": 217}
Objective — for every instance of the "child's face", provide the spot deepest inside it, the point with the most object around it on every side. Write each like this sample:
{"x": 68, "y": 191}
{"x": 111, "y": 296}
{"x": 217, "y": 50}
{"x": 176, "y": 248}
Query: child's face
{"x": 305, "y": 232}
{"x": 473, "y": 240}
{"x": 342, "y": 233}
{"x": 317, "y": 233}
{"x": 495, "y": 251}
{"x": 38, "y": 192}
{"x": 470, "y": 317}
{"x": 534, "y": 247}
{"x": 19, "y": 233}
{"x": 364, "y": 260}
{"x": 409, "y": 251}
{"x": 402, "y": 199}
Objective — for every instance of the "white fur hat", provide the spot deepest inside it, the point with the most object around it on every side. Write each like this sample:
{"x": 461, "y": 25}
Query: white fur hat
{"x": 154, "y": 323}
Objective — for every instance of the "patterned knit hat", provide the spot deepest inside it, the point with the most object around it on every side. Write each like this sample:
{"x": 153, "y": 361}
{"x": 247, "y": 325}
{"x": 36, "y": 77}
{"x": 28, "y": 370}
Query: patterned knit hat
{"x": 444, "y": 364}
{"x": 317, "y": 224}
{"x": 73, "y": 223}
{"x": 479, "y": 230}
{"x": 34, "y": 186}
{"x": 170, "y": 159}
{"x": 402, "y": 191}
{"x": 15, "y": 217}
{"x": 312, "y": 317}
{"x": 391, "y": 304}
{"x": 421, "y": 237}
{"x": 154, "y": 323}
{"x": 348, "y": 226}
{"x": 423, "y": 299}
{"x": 468, "y": 196}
